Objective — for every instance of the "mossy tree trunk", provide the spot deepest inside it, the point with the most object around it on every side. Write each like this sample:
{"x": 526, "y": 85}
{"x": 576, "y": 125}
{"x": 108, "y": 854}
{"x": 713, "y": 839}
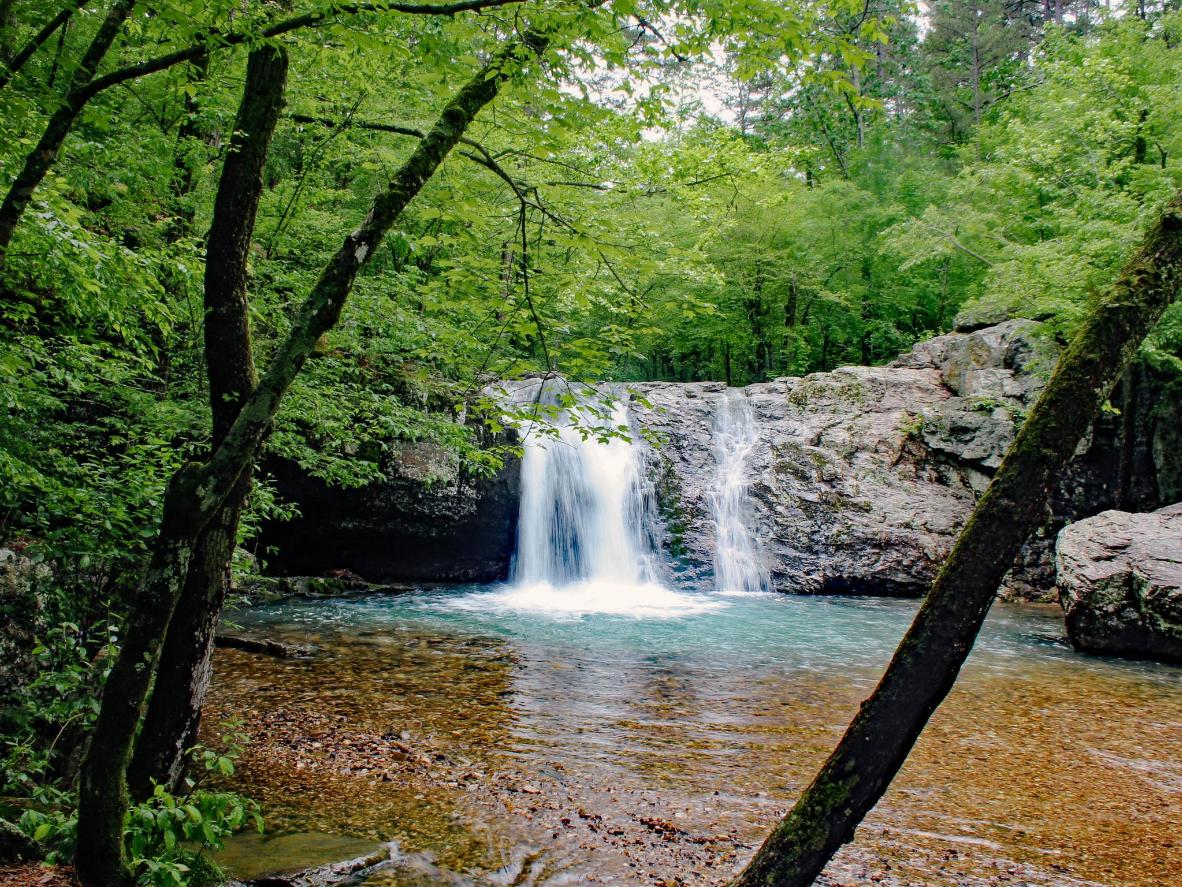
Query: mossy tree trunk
{"x": 197, "y": 492}
{"x": 929, "y": 658}
{"x": 182, "y": 679}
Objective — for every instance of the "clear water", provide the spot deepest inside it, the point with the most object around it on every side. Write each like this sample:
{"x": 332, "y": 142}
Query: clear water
{"x": 710, "y": 633}
{"x": 568, "y": 731}
{"x": 588, "y": 723}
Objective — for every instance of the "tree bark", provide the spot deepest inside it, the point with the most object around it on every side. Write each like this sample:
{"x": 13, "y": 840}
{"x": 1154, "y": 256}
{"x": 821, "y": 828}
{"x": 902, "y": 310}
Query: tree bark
{"x": 39, "y": 161}
{"x": 198, "y": 491}
{"x": 12, "y": 66}
{"x": 928, "y": 659}
{"x": 100, "y": 858}
{"x": 182, "y": 679}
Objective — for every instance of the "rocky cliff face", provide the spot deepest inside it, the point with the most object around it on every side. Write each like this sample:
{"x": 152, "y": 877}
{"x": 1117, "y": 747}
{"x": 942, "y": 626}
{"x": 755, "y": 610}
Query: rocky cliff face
{"x": 860, "y": 478}
{"x": 863, "y": 476}
{"x": 428, "y": 521}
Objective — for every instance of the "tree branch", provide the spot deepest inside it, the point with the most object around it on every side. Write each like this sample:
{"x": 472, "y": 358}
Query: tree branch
{"x": 951, "y": 238}
{"x": 35, "y": 42}
{"x": 214, "y": 40}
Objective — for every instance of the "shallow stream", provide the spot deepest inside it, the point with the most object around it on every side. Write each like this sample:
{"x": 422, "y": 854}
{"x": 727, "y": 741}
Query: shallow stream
{"x": 498, "y": 741}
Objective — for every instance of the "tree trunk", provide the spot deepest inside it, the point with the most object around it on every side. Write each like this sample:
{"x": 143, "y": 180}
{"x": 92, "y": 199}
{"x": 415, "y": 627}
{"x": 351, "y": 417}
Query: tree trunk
{"x": 7, "y": 25}
{"x": 41, "y": 159}
{"x": 17, "y": 61}
{"x": 99, "y": 856}
{"x": 170, "y": 726}
{"x": 928, "y": 659}
{"x": 198, "y": 492}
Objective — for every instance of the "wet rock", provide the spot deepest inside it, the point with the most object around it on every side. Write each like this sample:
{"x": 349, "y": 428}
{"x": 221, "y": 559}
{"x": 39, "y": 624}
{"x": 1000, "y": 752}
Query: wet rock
{"x": 329, "y": 875}
{"x": 427, "y": 520}
{"x": 343, "y": 583}
{"x": 1120, "y": 583}
{"x": 265, "y": 646}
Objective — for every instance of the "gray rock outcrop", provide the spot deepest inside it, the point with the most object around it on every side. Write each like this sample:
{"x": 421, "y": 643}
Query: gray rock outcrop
{"x": 860, "y": 479}
{"x": 1120, "y": 583}
{"x": 862, "y": 476}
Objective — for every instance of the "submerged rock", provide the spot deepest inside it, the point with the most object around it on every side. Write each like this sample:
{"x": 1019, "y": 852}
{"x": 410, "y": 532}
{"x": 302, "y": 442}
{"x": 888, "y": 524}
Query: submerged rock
{"x": 265, "y": 646}
{"x": 1120, "y": 583}
{"x": 330, "y": 875}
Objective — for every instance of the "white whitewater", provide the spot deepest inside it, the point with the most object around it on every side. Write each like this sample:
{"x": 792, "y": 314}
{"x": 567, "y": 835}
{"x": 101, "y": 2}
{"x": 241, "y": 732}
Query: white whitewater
{"x": 584, "y": 540}
{"x": 738, "y": 567}
{"x": 582, "y": 510}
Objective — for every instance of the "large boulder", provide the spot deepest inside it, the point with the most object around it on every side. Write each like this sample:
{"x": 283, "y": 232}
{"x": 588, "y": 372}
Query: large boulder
{"x": 1120, "y": 583}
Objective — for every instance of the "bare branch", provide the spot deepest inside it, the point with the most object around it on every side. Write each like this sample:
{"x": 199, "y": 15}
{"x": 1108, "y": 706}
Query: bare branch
{"x": 35, "y": 42}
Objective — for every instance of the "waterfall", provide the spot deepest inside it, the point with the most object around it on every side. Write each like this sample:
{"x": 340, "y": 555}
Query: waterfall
{"x": 584, "y": 504}
{"x": 586, "y": 540}
{"x": 738, "y": 568}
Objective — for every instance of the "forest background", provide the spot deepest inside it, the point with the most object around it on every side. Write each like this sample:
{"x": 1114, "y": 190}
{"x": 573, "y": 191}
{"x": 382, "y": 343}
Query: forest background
{"x": 657, "y": 205}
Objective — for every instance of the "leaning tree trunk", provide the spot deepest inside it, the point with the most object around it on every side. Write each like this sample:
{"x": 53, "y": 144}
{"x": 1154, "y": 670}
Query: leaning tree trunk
{"x": 198, "y": 491}
{"x": 41, "y": 158}
{"x": 928, "y": 659}
{"x": 170, "y": 725}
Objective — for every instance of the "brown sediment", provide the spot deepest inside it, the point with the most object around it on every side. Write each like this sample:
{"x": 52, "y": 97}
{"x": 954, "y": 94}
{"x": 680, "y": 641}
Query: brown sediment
{"x": 1054, "y": 773}
{"x": 34, "y": 874}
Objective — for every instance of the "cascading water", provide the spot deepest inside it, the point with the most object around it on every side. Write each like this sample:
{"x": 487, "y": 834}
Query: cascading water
{"x": 583, "y": 514}
{"x": 584, "y": 540}
{"x": 737, "y": 565}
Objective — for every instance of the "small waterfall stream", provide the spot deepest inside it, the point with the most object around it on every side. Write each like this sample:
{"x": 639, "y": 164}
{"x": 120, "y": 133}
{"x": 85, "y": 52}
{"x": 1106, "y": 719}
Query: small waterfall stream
{"x": 737, "y": 565}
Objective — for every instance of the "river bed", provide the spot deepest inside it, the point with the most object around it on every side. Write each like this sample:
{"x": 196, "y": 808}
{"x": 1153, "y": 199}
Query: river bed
{"x": 500, "y": 743}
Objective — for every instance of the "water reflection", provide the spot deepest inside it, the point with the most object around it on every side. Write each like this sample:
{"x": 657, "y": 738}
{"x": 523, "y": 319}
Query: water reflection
{"x": 614, "y": 748}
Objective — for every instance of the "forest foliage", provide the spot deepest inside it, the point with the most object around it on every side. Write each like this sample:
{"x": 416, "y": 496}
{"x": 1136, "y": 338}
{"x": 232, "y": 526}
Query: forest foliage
{"x": 715, "y": 190}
